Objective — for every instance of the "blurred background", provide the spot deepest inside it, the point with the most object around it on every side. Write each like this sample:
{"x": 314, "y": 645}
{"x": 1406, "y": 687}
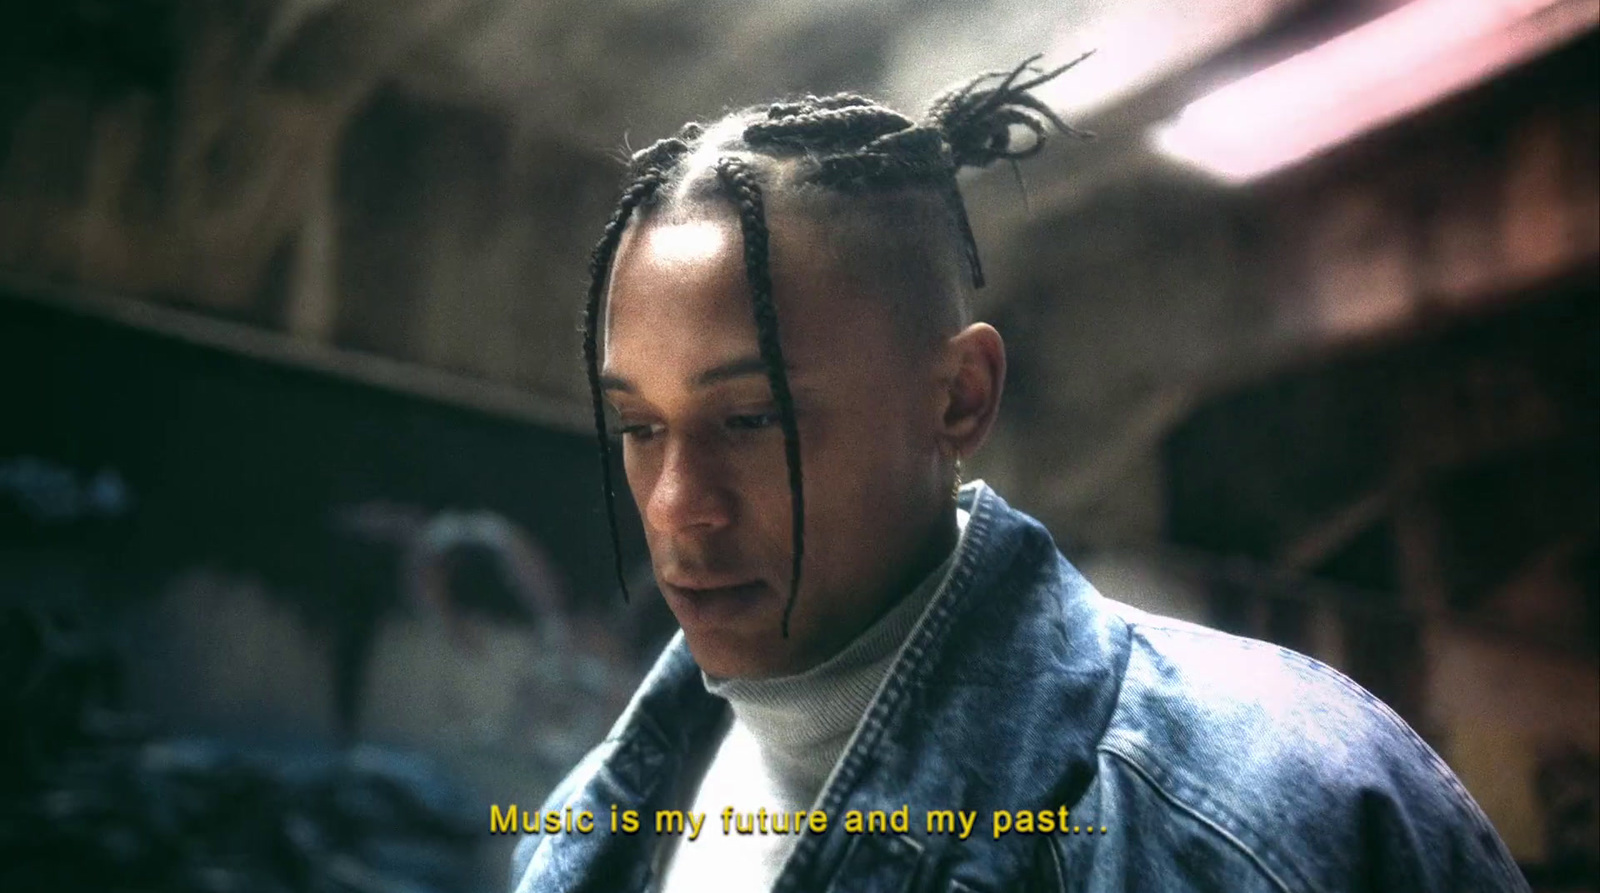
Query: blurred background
{"x": 302, "y": 560}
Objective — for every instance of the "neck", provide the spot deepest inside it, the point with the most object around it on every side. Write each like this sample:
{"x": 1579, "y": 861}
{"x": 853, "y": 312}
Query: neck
{"x": 932, "y": 546}
{"x": 935, "y": 544}
{"x": 802, "y": 722}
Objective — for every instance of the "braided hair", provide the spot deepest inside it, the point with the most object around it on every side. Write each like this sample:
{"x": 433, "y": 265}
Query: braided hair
{"x": 842, "y": 145}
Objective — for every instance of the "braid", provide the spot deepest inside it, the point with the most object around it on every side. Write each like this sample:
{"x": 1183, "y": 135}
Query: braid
{"x": 818, "y": 127}
{"x": 969, "y": 242}
{"x": 648, "y": 170}
{"x": 736, "y": 174}
{"x": 945, "y": 103}
{"x": 866, "y": 146}
{"x": 808, "y": 102}
{"x": 655, "y": 157}
{"x": 915, "y": 155}
{"x": 977, "y": 120}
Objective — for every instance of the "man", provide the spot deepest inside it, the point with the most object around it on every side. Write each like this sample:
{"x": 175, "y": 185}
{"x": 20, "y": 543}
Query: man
{"x": 782, "y": 302}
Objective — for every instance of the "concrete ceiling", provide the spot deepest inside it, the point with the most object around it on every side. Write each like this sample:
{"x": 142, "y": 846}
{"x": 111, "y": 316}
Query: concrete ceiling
{"x": 595, "y": 71}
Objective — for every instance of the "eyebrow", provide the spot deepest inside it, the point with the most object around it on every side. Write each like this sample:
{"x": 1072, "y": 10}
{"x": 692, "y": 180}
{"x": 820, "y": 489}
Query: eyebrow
{"x": 739, "y": 368}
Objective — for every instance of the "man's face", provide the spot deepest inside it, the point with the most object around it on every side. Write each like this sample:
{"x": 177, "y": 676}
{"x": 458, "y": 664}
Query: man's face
{"x": 704, "y": 452}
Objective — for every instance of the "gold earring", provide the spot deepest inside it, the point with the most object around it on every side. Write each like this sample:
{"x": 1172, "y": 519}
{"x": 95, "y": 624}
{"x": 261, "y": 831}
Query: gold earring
{"x": 955, "y": 489}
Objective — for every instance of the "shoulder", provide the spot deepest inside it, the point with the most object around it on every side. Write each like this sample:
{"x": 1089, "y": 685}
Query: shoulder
{"x": 562, "y": 795}
{"x": 1189, "y": 688}
{"x": 1312, "y": 776}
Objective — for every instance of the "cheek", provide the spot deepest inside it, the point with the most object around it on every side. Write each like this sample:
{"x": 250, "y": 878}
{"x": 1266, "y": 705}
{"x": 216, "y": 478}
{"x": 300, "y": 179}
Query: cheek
{"x": 869, "y": 447}
{"x": 759, "y": 477}
{"x": 857, "y": 483}
{"x": 640, "y": 470}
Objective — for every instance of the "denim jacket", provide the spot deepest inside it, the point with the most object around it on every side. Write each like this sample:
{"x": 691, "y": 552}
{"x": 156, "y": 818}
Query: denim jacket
{"x": 1187, "y": 759}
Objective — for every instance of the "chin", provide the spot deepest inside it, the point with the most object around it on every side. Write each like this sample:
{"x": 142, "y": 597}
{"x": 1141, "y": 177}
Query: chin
{"x": 729, "y": 655}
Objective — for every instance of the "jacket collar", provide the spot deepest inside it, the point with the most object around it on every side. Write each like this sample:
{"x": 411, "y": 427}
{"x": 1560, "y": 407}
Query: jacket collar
{"x": 997, "y": 700}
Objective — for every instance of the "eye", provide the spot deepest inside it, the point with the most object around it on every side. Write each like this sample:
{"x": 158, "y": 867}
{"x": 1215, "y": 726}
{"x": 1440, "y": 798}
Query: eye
{"x": 754, "y": 422}
{"x": 636, "y": 433}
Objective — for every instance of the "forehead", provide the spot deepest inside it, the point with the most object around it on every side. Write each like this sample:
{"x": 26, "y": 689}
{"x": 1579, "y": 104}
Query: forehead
{"x": 679, "y": 299}
{"x": 674, "y": 268}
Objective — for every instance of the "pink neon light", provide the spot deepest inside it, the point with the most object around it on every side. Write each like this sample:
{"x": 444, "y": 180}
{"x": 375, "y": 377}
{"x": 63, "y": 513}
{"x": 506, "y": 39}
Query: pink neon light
{"x": 1363, "y": 79}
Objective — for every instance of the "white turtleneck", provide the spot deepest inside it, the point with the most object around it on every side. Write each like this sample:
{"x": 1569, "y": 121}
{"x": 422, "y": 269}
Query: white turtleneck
{"x": 786, "y": 736}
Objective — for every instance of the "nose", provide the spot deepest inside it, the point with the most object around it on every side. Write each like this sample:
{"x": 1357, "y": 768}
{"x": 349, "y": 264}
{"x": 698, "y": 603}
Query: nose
{"x": 691, "y": 492}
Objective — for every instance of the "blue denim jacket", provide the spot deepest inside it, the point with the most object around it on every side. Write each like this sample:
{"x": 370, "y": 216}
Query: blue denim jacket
{"x": 1212, "y": 762}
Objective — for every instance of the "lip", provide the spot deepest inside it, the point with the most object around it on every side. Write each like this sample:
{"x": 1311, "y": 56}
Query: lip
{"x": 706, "y": 584}
{"x": 716, "y": 605}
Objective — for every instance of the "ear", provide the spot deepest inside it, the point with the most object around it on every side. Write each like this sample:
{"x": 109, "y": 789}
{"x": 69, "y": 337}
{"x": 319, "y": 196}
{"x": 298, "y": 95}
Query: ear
{"x": 973, "y": 376}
